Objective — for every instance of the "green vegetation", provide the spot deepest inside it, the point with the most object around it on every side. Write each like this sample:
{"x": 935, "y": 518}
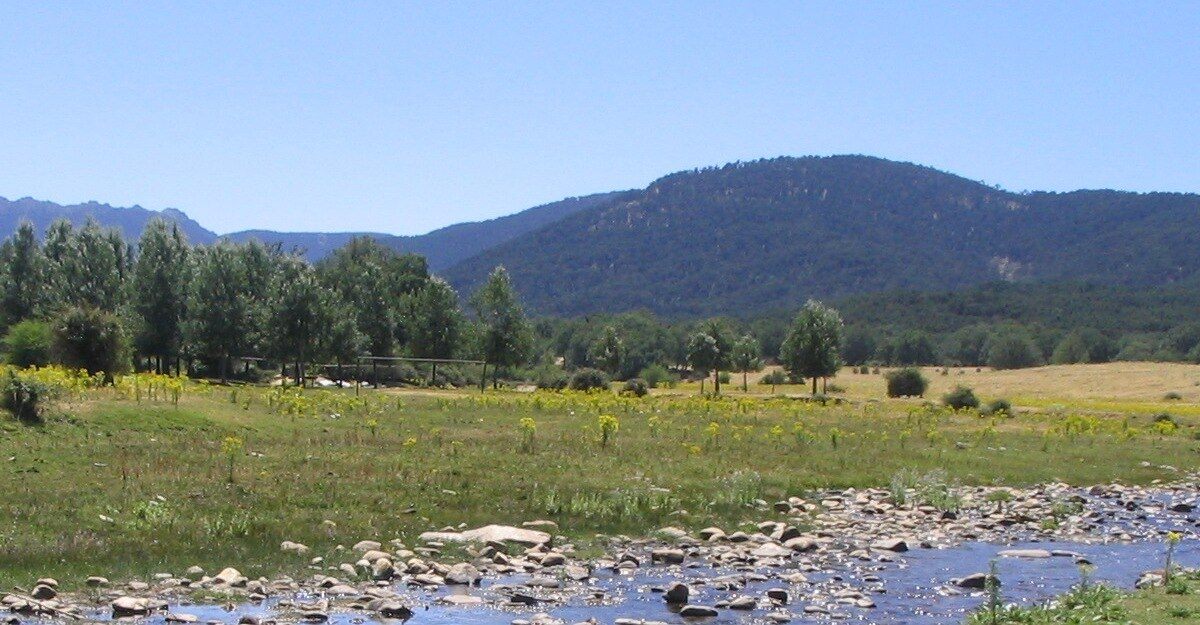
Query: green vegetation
{"x": 906, "y": 382}
{"x": 1171, "y": 604}
{"x": 134, "y": 478}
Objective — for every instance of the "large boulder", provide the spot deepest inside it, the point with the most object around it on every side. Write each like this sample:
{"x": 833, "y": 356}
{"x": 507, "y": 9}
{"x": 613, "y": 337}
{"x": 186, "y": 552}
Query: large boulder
{"x": 490, "y": 534}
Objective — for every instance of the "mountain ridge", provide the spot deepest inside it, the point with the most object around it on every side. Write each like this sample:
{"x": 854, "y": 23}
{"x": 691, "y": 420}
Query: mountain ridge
{"x": 442, "y": 247}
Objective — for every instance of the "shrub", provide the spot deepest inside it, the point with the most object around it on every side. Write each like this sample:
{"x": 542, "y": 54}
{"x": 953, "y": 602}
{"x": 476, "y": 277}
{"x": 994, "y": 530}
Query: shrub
{"x": 774, "y": 378}
{"x": 92, "y": 340}
{"x": 25, "y": 397}
{"x": 906, "y": 382}
{"x": 961, "y": 397}
{"x": 587, "y": 379}
{"x": 28, "y": 343}
{"x": 657, "y": 375}
{"x": 1172, "y": 396}
{"x": 636, "y": 387}
{"x": 553, "y": 378}
{"x": 998, "y": 407}
{"x": 1012, "y": 349}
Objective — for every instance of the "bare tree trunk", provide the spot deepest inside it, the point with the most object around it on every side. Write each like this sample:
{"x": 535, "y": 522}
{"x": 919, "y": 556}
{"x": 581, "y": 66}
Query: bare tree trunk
{"x": 814, "y": 380}
{"x": 745, "y": 384}
{"x": 716, "y": 382}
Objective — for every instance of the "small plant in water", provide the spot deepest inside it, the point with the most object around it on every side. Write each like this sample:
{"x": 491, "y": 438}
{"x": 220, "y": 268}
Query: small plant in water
{"x": 608, "y": 428}
{"x": 1173, "y": 539}
{"x": 991, "y": 584}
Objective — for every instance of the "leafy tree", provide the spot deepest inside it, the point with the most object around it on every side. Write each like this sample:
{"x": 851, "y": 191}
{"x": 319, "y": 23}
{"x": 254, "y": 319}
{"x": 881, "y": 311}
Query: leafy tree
{"x": 341, "y": 341}
{"x": 96, "y": 267}
{"x": 812, "y": 348}
{"x": 437, "y": 323}
{"x": 300, "y": 312}
{"x": 859, "y": 346}
{"x": 746, "y": 358}
{"x": 710, "y": 349}
{"x": 91, "y": 339}
{"x": 703, "y": 354}
{"x": 28, "y": 343}
{"x": 505, "y": 337}
{"x": 608, "y": 351}
{"x": 1012, "y": 348}
{"x": 220, "y": 319}
{"x": 22, "y": 276}
{"x": 1071, "y": 350}
{"x": 912, "y": 347}
{"x": 160, "y": 277}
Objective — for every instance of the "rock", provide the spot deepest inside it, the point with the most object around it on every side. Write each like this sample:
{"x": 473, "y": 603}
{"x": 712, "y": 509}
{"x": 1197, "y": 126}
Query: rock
{"x": 96, "y": 581}
{"x": 553, "y": 559}
{"x": 394, "y": 609}
{"x": 667, "y": 556}
{"x": 47, "y": 581}
{"x": 712, "y": 534}
{"x": 1024, "y": 553}
{"x": 695, "y": 611}
{"x": 897, "y": 545}
{"x": 382, "y": 570}
{"x": 771, "y": 550}
{"x": 975, "y": 581}
{"x": 778, "y": 595}
{"x": 173, "y": 617}
{"x": 134, "y": 606}
{"x": 460, "y": 600}
{"x": 677, "y": 594}
{"x": 366, "y": 545}
{"x": 541, "y": 524}
{"x": 194, "y": 572}
{"x": 801, "y": 544}
{"x": 297, "y": 548}
{"x": 743, "y": 603}
{"x": 230, "y": 576}
{"x": 490, "y": 533}
{"x": 464, "y": 574}
{"x": 43, "y": 592}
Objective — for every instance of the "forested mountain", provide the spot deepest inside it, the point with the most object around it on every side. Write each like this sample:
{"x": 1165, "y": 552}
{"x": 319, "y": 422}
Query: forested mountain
{"x": 442, "y": 247}
{"x": 750, "y": 237}
{"x": 129, "y": 220}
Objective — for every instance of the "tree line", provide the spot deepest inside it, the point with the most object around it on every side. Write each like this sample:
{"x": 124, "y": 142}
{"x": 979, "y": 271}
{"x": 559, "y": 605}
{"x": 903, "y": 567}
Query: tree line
{"x": 86, "y": 298}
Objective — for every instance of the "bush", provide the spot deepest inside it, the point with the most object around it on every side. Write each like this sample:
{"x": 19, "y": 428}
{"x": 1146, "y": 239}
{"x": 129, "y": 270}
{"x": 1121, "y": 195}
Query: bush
{"x": 774, "y": 378}
{"x": 724, "y": 377}
{"x": 1172, "y": 396}
{"x": 553, "y": 378}
{"x": 636, "y": 387}
{"x": 906, "y": 382}
{"x": 28, "y": 343}
{"x": 92, "y": 340}
{"x": 998, "y": 407}
{"x": 657, "y": 375}
{"x": 960, "y": 398}
{"x": 24, "y": 397}
{"x": 588, "y": 379}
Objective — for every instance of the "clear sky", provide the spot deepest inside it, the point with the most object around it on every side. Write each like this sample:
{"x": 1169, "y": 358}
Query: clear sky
{"x": 402, "y": 116}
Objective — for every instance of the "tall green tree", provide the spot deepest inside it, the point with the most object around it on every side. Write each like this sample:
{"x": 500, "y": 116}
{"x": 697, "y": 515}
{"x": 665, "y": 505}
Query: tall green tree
{"x": 437, "y": 328}
{"x": 160, "y": 277}
{"x": 812, "y": 348}
{"x": 300, "y": 312}
{"x": 703, "y": 355}
{"x": 219, "y": 314}
{"x": 505, "y": 335}
{"x": 723, "y": 343}
{"x": 97, "y": 268}
{"x": 747, "y": 357}
{"x": 22, "y": 276}
{"x": 608, "y": 351}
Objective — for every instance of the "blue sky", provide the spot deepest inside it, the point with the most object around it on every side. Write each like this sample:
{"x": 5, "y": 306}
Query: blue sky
{"x": 402, "y": 117}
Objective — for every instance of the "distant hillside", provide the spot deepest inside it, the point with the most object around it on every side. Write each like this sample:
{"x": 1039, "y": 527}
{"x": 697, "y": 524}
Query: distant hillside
{"x": 129, "y": 221}
{"x": 443, "y": 247}
{"x": 756, "y": 236}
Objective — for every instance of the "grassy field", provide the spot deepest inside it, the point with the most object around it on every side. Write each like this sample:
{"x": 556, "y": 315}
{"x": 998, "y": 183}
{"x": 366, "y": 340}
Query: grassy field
{"x": 1110, "y": 387}
{"x": 122, "y": 487}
